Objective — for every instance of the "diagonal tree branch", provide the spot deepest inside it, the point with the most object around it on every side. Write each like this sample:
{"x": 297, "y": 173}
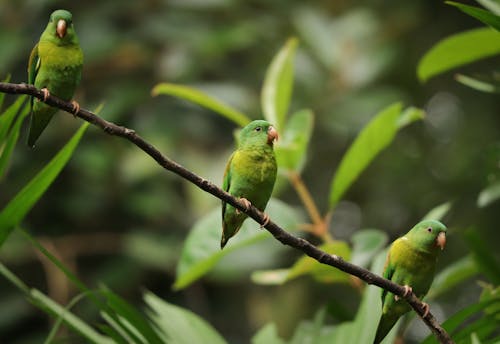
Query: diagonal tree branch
{"x": 279, "y": 233}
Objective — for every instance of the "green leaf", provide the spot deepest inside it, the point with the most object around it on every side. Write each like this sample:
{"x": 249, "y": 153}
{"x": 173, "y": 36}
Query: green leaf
{"x": 69, "y": 275}
{"x": 312, "y": 331}
{"x": 376, "y": 136}
{"x": 47, "y": 304}
{"x": 489, "y": 195}
{"x": 131, "y": 320}
{"x": 22, "y": 203}
{"x": 180, "y": 325}
{"x": 270, "y": 277}
{"x": 459, "y": 318}
{"x": 458, "y": 50}
{"x": 201, "y": 250}
{"x": 491, "y": 292}
{"x": 120, "y": 329}
{"x": 365, "y": 323}
{"x": 410, "y": 115}
{"x": 453, "y": 275}
{"x": 486, "y": 17}
{"x": 483, "y": 255}
{"x": 202, "y": 99}
{"x": 292, "y": 145}
{"x": 492, "y": 5}
{"x": 8, "y": 116}
{"x": 60, "y": 318}
{"x": 477, "y": 84}
{"x": 267, "y": 335}
{"x": 309, "y": 266}
{"x": 321, "y": 272}
{"x": 366, "y": 244}
{"x": 278, "y": 85}
{"x": 2, "y": 95}
{"x": 437, "y": 213}
{"x": 11, "y": 141}
{"x": 71, "y": 320}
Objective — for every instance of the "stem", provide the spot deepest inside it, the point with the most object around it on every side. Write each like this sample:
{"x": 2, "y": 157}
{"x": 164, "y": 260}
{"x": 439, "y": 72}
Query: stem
{"x": 279, "y": 233}
{"x": 305, "y": 196}
{"x": 319, "y": 227}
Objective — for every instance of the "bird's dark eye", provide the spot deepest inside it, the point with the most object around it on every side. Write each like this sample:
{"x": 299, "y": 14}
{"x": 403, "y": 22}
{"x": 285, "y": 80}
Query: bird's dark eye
{"x": 258, "y": 129}
{"x": 429, "y": 229}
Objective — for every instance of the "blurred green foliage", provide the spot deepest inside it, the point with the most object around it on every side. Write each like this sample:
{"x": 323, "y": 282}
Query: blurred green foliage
{"x": 114, "y": 217}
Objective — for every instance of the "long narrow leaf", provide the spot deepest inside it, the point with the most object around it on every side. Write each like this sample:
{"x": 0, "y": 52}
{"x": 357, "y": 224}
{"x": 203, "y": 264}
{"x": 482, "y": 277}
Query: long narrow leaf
{"x": 452, "y": 323}
{"x": 492, "y": 5}
{"x": 202, "y": 99}
{"x": 2, "y": 95}
{"x": 8, "y": 116}
{"x": 478, "y": 84}
{"x": 458, "y": 50}
{"x": 71, "y": 320}
{"x": 377, "y": 135}
{"x": 53, "y": 308}
{"x": 133, "y": 317}
{"x": 22, "y": 203}
{"x": 486, "y": 17}
{"x": 11, "y": 141}
{"x": 179, "y": 325}
{"x": 69, "y": 275}
{"x": 278, "y": 84}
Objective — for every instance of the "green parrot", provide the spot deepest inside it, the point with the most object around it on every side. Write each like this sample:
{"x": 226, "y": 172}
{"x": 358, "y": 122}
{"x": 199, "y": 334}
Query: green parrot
{"x": 250, "y": 174}
{"x": 411, "y": 262}
{"x": 55, "y": 66}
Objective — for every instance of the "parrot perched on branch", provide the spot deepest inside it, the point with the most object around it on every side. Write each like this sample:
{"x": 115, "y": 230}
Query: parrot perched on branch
{"x": 55, "y": 66}
{"x": 411, "y": 262}
{"x": 250, "y": 174}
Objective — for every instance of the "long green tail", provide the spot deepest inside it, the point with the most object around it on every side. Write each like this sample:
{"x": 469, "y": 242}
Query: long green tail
{"x": 41, "y": 115}
{"x": 384, "y": 326}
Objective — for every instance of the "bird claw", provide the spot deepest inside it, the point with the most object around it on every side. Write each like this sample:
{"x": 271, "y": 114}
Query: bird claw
{"x": 407, "y": 289}
{"x": 426, "y": 309}
{"x": 245, "y": 202}
{"x": 76, "y": 107}
{"x": 46, "y": 94}
{"x": 266, "y": 221}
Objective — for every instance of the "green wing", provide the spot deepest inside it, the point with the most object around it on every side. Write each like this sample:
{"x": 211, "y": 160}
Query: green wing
{"x": 34, "y": 65}
{"x": 226, "y": 182}
{"x": 388, "y": 273}
{"x": 33, "y": 68}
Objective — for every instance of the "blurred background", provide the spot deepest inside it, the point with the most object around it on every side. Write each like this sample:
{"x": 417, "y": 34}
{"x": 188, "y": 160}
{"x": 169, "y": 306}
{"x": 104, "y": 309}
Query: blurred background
{"x": 116, "y": 218}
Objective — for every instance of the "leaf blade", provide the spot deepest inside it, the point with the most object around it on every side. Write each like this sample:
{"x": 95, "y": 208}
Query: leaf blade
{"x": 485, "y": 17}
{"x": 278, "y": 84}
{"x": 201, "y": 248}
{"x": 180, "y": 325}
{"x": 292, "y": 147}
{"x": 22, "y": 203}
{"x": 200, "y": 98}
{"x": 457, "y": 50}
{"x": 374, "y": 137}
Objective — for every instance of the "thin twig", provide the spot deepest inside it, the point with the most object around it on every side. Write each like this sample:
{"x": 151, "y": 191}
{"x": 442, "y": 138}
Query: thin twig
{"x": 319, "y": 227}
{"x": 280, "y": 234}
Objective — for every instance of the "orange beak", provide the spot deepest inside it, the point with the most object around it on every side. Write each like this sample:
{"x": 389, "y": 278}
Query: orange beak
{"x": 61, "y": 28}
{"x": 272, "y": 135}
{"x": 441, "y": 240}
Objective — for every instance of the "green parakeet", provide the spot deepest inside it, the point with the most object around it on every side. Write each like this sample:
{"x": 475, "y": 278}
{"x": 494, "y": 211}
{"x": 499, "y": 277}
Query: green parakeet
{"x": 411, "y": 262}
{"x": 55, "y": 66}
{"x": 250, "y": 174}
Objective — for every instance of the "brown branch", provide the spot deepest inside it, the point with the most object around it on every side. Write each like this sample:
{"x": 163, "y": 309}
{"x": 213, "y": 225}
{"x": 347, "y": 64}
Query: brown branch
{"x": 320, "y": 226}
{"x": 280, "y": 234}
